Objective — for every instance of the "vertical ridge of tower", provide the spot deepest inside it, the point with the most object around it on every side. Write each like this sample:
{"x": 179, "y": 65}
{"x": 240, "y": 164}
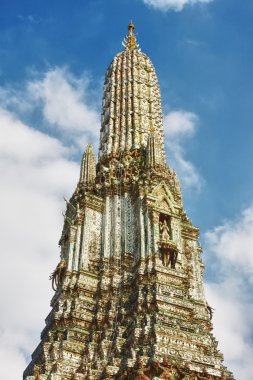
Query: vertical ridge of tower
{"x": 154, "y": 156}
{"x": 129, "y": 300}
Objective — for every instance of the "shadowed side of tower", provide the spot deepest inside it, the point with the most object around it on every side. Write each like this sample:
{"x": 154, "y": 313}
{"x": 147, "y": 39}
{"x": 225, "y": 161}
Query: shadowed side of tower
{"x": 129, "y": 300}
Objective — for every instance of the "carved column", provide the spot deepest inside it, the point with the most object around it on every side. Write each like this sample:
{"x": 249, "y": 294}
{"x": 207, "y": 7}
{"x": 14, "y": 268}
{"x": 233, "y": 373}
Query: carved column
{"x": 156, "y": 231}
{"x": 72, "y": 235}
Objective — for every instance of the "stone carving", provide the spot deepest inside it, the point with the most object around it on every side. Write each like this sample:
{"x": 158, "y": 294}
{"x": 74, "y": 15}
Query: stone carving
{"x": 154, "y": 153}
{"x": 168, "y": 249}
{"x": 164, "y": 231}
{"x": 210, "y": 310}
{"x": 58, "y": 274}
{"x": 169, "y": 256}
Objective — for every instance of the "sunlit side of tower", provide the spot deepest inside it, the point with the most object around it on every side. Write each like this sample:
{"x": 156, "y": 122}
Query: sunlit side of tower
{"x": 129, "y": 300}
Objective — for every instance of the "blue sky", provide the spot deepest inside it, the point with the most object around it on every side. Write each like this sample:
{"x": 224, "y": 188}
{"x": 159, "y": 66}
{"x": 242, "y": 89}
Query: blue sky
{"x": 53, "y": 57}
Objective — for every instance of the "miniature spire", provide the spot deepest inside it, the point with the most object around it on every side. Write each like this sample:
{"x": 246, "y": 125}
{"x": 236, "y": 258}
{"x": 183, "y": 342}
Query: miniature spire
{"x": 129, "y": 41}
{"x": 88, "y": 167}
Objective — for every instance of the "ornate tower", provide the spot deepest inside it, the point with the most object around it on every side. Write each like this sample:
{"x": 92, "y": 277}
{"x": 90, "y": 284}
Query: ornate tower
{"x": 129, "y": 300}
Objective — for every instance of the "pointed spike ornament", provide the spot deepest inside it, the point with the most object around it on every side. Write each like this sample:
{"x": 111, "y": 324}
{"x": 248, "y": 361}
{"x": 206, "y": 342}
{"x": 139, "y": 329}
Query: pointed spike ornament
{"x": 88, "y": 167}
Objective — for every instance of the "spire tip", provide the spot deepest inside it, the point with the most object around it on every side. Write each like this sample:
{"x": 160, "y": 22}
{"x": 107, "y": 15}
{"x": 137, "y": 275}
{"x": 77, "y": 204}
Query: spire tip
{"x": 129, "y": 42}
{"x": 131, "y": 26}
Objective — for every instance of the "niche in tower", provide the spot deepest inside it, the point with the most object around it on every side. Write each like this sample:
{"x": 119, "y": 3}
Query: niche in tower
{"x": 167, "y": 248}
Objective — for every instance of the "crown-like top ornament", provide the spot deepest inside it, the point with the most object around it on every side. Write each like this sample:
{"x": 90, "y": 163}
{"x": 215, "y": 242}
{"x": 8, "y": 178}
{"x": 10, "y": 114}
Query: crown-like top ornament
{"x": 129, "y": 41}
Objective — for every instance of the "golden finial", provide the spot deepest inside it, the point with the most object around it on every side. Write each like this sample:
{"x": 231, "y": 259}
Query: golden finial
{"x": 129, "y": 42}
{"x": 131, "y": 26}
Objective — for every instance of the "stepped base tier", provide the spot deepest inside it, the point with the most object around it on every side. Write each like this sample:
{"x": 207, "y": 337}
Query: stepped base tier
{"x": 129, "y": 301}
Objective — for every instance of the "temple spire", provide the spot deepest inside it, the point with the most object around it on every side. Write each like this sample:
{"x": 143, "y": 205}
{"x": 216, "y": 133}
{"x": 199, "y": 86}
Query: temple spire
{"x": 129, "y": 41}
{"x": 131, "y": 101}
{"x": 88, "y": 167}
{"x": 129, "y": 300}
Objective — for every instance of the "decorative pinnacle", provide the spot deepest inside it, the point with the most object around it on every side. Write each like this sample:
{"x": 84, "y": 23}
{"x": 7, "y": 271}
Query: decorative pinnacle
{"x": 129, "y": 41}
{"x": 131, "y": 27}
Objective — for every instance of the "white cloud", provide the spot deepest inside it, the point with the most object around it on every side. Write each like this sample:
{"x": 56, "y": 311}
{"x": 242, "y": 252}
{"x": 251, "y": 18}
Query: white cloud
{"x": 35, "y": 172}
{"x": 232, "y": 325}
{"x": 64, "y": 101}
{"x": 233, "y": 242}
{"x": 230, "y": 256}
{"x": 12, "y": 359}
{"x": 179, "y": 126}
{"x": 176, "y": 5}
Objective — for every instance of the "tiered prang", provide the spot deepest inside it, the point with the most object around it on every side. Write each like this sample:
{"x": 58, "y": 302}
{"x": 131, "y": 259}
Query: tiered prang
{"x": 129, "y": 300}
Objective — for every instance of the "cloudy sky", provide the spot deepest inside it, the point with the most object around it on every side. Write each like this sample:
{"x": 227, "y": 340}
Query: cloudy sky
{"x": 53, "y": 57}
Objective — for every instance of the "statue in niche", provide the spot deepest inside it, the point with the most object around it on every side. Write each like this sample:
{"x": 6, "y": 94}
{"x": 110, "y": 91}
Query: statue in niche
{"x": 164, "y": 231}
{"x": 165, "y": 257}
{"x": 167, "y": 247}
{"x": 173, "y": 258}
{"x": 169, "y": 257}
